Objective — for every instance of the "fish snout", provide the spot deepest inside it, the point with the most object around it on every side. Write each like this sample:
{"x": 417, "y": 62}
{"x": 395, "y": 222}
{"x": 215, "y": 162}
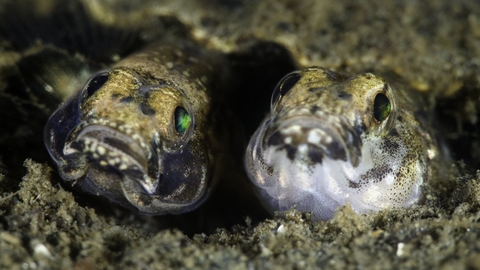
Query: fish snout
{"x": 118, "y": 154}
{"x": 312, "y": 140}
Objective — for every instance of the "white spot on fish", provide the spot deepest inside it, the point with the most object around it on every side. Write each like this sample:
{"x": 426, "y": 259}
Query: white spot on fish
{"x": 313, "y": 137}
{"x": 303, "y": 148}
{"x": 101, "y": 150}
{"x": 295, "y": 129}
{"x": 303, "y": 111}
{"x": 136, "y": 137}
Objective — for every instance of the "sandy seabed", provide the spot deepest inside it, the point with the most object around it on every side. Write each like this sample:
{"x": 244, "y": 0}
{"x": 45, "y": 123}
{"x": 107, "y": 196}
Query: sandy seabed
{"x": 433, "y": 46}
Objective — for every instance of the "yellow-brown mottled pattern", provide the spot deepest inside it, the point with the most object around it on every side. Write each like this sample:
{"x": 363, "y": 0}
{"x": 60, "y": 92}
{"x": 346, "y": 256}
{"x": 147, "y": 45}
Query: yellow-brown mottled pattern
{"x": 137, "y": 104}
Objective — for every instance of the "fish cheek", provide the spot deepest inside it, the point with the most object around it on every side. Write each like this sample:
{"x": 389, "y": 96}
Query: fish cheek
{"x": 185, "y": 184}
{"x": 58, "y": 128}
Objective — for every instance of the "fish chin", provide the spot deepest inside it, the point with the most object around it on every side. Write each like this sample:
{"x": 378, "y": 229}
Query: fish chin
{"x": 315, "y": 167}
{"x": 322, "y": 187}
{"x": 318, "y": 188}
{"x": 292, "y": 166}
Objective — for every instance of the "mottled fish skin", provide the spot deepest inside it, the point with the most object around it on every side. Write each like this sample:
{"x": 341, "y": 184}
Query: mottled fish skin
{"x": 330, "y": 141}
{"x": 142, "y": 132}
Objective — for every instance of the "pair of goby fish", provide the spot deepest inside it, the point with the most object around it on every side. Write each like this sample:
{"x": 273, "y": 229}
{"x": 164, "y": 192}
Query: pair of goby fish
{"x": 144, "y": 133}
{"x": 141, "y": 134}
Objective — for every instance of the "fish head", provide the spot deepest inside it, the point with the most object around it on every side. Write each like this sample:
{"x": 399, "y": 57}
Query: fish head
{"x": 329, "y": 141}
{"x": 128, "y": 137}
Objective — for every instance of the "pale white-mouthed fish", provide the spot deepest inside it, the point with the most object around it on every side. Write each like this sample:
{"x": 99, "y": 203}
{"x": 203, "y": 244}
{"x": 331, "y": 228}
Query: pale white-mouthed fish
{"x": 329, "y": 141}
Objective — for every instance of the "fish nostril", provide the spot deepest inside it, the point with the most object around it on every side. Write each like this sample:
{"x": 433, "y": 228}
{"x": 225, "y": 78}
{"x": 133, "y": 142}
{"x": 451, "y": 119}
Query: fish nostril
{"x": 126, "y": 99}
{"x": 146, "y": 109}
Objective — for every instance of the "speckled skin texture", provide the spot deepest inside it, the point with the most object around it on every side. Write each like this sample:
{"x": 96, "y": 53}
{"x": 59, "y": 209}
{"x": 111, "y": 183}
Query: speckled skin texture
{"x": 120, "y": 140}
{"x": 322, "y": 145}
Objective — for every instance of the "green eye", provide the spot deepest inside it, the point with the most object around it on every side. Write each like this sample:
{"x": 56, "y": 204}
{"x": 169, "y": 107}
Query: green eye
{"x": 182, "y": 120}
{"x": 381, "y": 107}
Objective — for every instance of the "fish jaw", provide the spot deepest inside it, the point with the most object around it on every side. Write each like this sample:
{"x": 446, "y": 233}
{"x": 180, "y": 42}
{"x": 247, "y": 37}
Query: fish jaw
{"x": 315, "y": 172}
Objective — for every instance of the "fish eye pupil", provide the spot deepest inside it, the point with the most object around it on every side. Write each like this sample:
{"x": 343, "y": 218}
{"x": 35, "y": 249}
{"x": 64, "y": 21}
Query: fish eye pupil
{"x": 285, "y": 84}
{"x": 182, "y": 119}
{"x": 381, "y": 107}
{"x": 95, "y": 84}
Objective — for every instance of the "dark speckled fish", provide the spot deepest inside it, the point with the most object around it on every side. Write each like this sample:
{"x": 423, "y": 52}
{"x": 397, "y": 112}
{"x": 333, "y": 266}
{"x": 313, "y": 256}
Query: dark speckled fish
{"x": 330, "y": 141}
{"x": 142, "y": 131}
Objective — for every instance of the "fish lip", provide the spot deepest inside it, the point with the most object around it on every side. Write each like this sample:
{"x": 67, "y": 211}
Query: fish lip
{"x": 127, "y": 154}
{"x": 335, "y": 130}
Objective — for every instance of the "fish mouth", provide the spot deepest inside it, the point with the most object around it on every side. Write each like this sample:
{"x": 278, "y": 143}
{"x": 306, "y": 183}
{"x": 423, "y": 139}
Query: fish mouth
{"x": 313, "y": 139}
{"x": 124, "y": 155}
